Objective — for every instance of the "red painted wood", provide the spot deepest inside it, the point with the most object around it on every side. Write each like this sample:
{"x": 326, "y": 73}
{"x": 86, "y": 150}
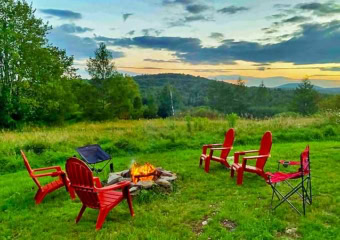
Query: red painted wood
{"x": 50, "y": 187}
{"x": 261, "y": 159}
{"x": 225, "y": 149}
{"x": 92, "y": 194}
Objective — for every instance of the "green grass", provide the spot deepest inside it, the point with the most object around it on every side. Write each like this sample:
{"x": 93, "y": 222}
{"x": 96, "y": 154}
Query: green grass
{"x": 198, "y": 196}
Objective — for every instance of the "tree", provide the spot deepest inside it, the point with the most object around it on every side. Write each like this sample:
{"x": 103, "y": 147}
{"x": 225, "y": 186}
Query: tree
{"x": 30, "y": 68}
{"x": 113, "y": 95}
{"x": 101, "y": 66}
{"x": 306, "y": 98}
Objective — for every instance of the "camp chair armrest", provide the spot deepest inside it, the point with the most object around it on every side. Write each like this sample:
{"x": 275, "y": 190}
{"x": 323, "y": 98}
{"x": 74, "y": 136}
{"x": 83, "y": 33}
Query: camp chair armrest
{"x": 284, "y": 162}
{"x": 58, "y": 168}
{"x": 114, "y": 186}
{"x": 255, "y": 157}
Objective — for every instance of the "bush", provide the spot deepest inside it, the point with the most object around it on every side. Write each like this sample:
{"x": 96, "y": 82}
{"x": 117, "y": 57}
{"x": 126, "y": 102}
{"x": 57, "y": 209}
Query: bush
{"x": 36, "y": 147}
{"x": 232, "y": 119}
{"x": 288, "y": 114}
{"x": 329, "y": 131}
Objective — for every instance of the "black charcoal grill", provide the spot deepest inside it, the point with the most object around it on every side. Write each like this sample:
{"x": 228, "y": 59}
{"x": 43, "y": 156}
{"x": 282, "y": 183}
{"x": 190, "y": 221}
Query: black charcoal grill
{"x": 93, "y": 154}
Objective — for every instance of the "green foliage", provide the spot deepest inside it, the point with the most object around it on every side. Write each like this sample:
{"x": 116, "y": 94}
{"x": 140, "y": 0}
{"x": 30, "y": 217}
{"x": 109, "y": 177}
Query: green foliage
{"x": 33, "y": 73}
{"x": 189, "y": 124}
{"x": 305, "y": 99}
{"x": 232, "y": 119}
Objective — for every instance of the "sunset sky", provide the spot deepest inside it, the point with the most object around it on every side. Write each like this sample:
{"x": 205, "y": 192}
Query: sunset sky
{"x": 275, "y": 41}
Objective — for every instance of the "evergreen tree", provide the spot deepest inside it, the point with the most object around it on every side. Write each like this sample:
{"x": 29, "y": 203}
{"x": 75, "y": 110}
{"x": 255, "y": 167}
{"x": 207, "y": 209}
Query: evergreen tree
{"x": 306, "y": 98}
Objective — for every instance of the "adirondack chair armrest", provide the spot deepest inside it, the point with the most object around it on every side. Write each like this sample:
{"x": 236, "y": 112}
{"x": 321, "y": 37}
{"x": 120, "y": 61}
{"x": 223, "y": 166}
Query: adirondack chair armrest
{"x": 222, "y": 148}
{"x": 97, "y": 182}
{"x": 245, "y": 152}
{"x": 58, "y": 168}
{"x": 51, "y": 174}
{"x": 255, "y": 157}
{"x": 114, "y": 186}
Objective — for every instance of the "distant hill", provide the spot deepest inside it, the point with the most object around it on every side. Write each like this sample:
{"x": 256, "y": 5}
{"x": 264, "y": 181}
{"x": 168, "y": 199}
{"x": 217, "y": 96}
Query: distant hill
{"x": 292, "y": 86}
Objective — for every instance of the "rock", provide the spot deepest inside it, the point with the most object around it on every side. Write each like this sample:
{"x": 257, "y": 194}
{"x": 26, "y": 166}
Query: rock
{"x": 172, "y": 178}
{"x": 113, "y": 178}
{"x": 145, "y": 184}
{"x": 126, "y": 173}
{"x": 125, "y": 179}
{"x": 204, "y": 223}
{"x": 291, "y": 231}
{"x": 133, "y": 189}
{"x": 166, "y": 173}
{"x": 163, "y": 183}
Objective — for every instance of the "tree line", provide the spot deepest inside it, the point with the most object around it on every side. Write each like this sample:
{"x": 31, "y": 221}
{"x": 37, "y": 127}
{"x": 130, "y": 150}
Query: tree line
{"x": 39, "y": 84}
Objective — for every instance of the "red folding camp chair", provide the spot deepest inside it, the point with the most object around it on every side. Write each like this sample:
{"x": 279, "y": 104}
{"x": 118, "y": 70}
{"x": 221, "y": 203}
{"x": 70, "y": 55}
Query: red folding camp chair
{"x": 305, "y": 184}
{"x": 92, "y": 194}
{"x": 225, "y": 149}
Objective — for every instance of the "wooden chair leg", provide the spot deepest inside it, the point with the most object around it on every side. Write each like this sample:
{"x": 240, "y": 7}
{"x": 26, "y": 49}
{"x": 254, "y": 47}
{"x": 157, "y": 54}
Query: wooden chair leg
{"x": 201, "y": 160}
{"x": 239, "y": 176}
{"x": 101, "y": 218}
{"x": 39, "y": 196}
{"x": 232, "y": 172}
{"x": 128, "y": 197}
{"x": 207, "y": 165}
{"x": 72, "y": 192}
{"x": 80, "y": 214}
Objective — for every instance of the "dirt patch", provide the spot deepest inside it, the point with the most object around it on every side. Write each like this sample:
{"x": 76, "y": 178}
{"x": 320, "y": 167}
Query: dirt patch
{"x": 289, "y": 233}
{"x": 198, "y": 228}
{"x": 228, "y": 224}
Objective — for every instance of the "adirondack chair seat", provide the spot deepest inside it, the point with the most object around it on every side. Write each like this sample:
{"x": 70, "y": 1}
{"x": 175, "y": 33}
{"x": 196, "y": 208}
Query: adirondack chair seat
{"x": 224, "y": 148}
{"x": 248, "y": 168}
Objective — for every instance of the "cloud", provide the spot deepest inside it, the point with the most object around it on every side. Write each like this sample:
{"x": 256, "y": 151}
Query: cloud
{"x": 130, "y": 33}
{"x": 335, "y": 69}
{"x": 232, "y": 10}
{"x": 279, "y": 5}
{"x": 126, "y": 16}
{"x": 296, "y": 19}
{"x": 183, "y": 22}
{"x": 182, "y": 2}
{"x": 79, "y": 47}
{"x": 216, "y": 35}
{"x": 72, "y": 28}
{"x": 314, "y": 43}
{"x": 62, "y": 14}
{"x": 320, "y": 9}
{"x": 160, "y": 61}
{"x": 150, "y": 31}
{"x": 196, "y": 8}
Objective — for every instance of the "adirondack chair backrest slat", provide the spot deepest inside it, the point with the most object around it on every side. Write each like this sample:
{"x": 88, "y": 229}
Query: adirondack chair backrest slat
{"x": 29, "y": 169}
{"x": 81, "y": 179}
{"x": 228, "y": 142}
{"x": 266, "y": 145}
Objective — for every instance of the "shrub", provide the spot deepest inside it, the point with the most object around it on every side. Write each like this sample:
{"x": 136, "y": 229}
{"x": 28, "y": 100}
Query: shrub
{"x": 232, "y": 119}
{"x": 36, "y": 147}
{"x": 329, "y": 131}
{"x": 188, "y": 121}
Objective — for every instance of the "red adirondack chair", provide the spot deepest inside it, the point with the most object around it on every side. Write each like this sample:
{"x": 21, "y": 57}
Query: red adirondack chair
{"x": 91, "y": 192}
{"x": 225, "y": 148}
{"x": 50, "y": 187}
{"x": 261, "y": 159}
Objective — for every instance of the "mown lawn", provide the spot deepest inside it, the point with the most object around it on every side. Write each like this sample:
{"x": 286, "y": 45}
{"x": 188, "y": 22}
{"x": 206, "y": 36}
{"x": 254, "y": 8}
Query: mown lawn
{"x": 197, "y": 197}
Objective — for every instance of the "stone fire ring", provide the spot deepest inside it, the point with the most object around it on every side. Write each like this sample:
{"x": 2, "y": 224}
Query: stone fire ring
{"x": 164, "y": 180}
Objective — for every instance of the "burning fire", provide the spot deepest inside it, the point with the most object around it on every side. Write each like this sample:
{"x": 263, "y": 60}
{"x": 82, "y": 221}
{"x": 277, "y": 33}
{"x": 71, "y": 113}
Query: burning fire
{"x": 142, "y": 173}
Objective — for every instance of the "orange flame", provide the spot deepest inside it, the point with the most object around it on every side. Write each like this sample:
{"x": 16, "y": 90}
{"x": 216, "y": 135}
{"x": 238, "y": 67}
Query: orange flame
{"x": 145, "y": 169}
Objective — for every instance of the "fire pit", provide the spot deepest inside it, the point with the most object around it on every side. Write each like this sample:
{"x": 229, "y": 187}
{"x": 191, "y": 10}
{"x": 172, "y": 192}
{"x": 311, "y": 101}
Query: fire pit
{"x": 144, "y": 177}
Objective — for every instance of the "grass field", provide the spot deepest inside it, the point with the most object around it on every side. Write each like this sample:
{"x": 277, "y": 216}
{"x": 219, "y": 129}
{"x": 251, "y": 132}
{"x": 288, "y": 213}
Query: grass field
{"x": 198, "y": 197}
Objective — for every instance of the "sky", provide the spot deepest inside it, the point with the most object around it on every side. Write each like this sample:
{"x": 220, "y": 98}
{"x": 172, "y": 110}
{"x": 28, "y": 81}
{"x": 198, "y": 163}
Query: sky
{"x": 274, "y": 41}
